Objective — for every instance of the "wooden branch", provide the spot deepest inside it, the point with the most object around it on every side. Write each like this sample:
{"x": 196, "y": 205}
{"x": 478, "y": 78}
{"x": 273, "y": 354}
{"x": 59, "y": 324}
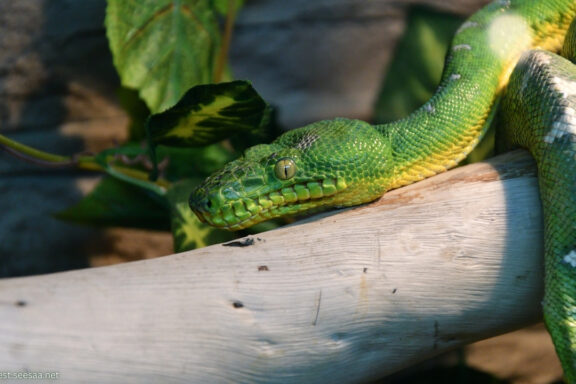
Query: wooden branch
{"x": 345, "y": 297}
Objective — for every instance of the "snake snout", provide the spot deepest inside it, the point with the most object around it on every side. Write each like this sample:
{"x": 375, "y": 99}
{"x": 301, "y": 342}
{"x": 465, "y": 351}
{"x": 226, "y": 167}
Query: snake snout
{"x": 199, "y": 203}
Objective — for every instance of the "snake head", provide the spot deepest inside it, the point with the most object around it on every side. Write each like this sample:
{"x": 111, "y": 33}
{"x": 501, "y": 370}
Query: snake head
{"x": 327, "y": 164}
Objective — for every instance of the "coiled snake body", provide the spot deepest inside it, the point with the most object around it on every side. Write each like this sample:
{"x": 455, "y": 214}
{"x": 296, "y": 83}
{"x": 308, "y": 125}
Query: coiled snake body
{"x": 501, "y": 57}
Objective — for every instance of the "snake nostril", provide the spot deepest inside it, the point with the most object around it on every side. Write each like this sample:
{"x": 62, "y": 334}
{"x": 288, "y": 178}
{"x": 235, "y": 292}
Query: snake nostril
{"x": 200, "y": 203}
{"x": 196, "y": 201}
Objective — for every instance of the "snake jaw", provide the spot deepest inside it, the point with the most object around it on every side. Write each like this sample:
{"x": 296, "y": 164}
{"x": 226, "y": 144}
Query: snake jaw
{"x": 243, "y": 212}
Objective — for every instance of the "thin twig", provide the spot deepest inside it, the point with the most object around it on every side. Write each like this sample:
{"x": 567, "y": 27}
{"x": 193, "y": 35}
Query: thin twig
{"x": 78, "y": 161}
{"x": 34, "y": 160}
{"x": 222, "y": 59}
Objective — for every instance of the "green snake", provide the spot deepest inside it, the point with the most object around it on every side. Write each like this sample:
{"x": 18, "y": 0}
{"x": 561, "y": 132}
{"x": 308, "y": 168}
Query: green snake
{"x": 503, "y": 56}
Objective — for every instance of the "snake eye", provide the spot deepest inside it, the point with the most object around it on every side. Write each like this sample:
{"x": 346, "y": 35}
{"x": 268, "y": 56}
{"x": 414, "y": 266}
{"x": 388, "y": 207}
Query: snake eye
{"x": 285, "y": 168}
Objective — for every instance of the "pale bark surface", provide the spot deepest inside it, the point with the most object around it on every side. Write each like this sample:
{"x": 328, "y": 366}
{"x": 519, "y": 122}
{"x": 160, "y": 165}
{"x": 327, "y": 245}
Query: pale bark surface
{"x": 345, "y": 298}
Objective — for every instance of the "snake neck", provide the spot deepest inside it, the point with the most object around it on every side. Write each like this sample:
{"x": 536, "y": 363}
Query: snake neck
{"x": 483, "y": 54}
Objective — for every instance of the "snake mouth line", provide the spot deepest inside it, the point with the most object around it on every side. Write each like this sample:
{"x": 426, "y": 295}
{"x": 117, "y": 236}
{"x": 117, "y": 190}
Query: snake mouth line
{"x": 247, "y": 211}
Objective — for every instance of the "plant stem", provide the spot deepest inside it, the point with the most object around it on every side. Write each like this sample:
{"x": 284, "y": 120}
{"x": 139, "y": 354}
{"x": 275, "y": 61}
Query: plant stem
{"x": 222, "y": 59}
{"x": 140, "y": 175}
{"x": 32, "y": 154}
{"x": 87, "y": 163}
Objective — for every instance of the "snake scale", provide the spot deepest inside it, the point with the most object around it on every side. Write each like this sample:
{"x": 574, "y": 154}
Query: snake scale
{"x": 503, "y": 59}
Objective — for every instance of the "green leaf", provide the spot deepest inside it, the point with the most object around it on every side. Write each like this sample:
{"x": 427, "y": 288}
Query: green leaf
{"x": 162, "y": 47}
{"x": 179, "y": 163}
{"x": 117, "y": 203}
{"x": 416, "y": 68}
{"x": 188, "y": 231}
{"x": 130, "y": 163}
{"x": 193, "y": 162}
{"x": 209, "y": 113}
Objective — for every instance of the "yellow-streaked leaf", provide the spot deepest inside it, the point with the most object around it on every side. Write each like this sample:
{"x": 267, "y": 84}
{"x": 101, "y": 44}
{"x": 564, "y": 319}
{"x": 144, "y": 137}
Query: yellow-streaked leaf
{"x": 209, "y": 113}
